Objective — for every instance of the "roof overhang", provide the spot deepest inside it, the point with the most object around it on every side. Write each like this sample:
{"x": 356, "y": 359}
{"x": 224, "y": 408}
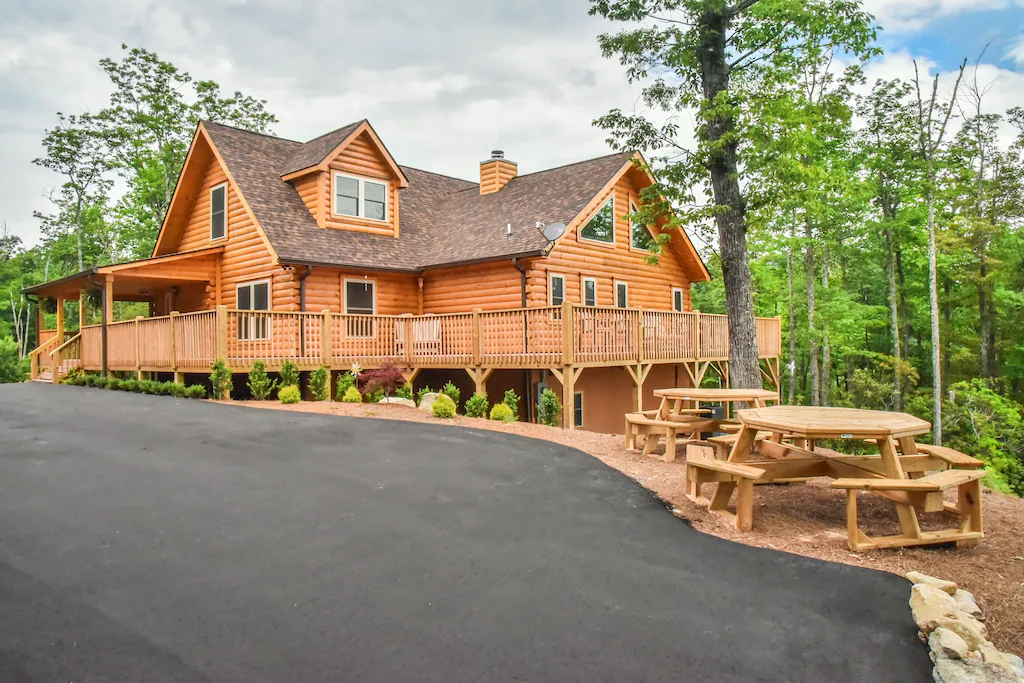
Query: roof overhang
{"x": 363, "y": 127}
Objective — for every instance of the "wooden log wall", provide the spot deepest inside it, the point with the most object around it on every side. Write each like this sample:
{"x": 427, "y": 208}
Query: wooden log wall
{"x": 396, "y": 292}
{"x": 489, "y": 286}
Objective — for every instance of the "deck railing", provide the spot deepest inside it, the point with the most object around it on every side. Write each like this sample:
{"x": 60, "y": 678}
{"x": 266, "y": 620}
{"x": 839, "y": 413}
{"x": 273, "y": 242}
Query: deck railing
{"x": 520, "y": 338}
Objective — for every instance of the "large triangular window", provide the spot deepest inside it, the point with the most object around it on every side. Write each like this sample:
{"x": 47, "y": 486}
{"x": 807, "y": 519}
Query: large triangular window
{"x": 601, "y": 228}
{"x": 642, "y": 237}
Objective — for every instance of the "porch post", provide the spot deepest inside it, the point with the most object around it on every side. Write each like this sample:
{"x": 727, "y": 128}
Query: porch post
{"x": 179, "y": 377}
{"x": 83, "y": 318}
{"x": 222, "y": 333}
{"x": 60, "y": 320}
{"x": 108, "y": 317}
{"x": 138, "y": 348}
{"x": 569, "y": 371}
{"x": 325, "y": 348}
{"x": 40, "y": 322}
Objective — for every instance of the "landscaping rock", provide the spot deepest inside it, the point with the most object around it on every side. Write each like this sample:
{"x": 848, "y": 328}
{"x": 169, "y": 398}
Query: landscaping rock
{"x": 427, "y": 402}
{"x": 1016, "y": 663}
{"x": 933, "y": 608}
{"x": 961, "y": 671}
{"x": 399, "y": 401}
{"x": 965, "y": 601}
{"x": 941, "y": 584}
{"x": 946, "y": 643}
{"x": 993, "y": 656}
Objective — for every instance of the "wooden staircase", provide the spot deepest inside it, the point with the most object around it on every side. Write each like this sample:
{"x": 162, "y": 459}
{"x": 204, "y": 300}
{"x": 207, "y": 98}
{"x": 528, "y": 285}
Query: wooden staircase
{"x": 45, "y": 376}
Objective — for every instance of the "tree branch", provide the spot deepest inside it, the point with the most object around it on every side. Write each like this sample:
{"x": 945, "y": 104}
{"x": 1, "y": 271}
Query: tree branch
{"x": 740, "y": 7}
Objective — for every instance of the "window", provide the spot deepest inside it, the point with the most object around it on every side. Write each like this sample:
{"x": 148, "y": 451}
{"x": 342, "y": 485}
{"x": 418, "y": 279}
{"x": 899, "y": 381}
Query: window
{"x": 641, "y": 235}
{"x": 360, "y": 299}
{"x": 677, "y": 299}
{"x": 360, "y": 197}
{"x": 601, "y": 228}
{"x": 218, "y": 211}
{"x": 621, "y": 295}
{"x": 589, "y": 291}
{"x": 253, "y": 296}
{"x": 577, "y": 409}
{"x": 556, "y": 290}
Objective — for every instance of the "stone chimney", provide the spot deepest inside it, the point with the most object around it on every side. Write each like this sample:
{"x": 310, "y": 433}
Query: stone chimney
{"x": 496, "y": 172}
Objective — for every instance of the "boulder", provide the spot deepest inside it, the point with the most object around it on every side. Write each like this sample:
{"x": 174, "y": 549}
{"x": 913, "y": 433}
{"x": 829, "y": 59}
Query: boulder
{"x": 974, "y": 671}
{"x": 965, "y": 601}
{"x": 946, "y": 643}
{"x": 941, "y": 584}
{"x": 934, "y": 608}
{"x": 399, "y": 401}
{"x": 1016, "y": 663}
{"x": 427, "y": 401}
{"x": 993, "y": 656}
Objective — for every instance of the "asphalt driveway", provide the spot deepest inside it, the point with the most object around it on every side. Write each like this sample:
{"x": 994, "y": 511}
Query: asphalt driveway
{"x": 153, "y": 539}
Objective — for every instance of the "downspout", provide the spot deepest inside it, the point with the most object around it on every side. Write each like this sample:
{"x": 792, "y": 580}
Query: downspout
{"x": 526, "y": 340}
{"x": 302, "y": 307}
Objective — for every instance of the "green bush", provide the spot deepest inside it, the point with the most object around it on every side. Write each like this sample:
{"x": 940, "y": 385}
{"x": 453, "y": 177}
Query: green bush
{"x": 549, "y": 412}
{"x": 423, "y": 391}
{"x": 451, "y": 391}
{"x": 289, "y": 394}
{"x": 13, "y": 368}
{"x": 502, "y": 412}
{"x": 259, "y": 382}
{"x": 289, "y": 374}
{"x": 511, "y": 399}
{"x": 345, "y": 381}
{"x": 144, "y": 386}
{"x": 981, "y": 423}
{"x": 373, "y": 396}
{"x": 196, "y": 391}
{"x": 220, "y": 379}
{"x": 444, "y": 407}
{"x": 115, "y": 384}
{"x": 404, "y": 391}
{"x": 476, "y": 405}
{"x": 352, "y": 395}
{"x": 319, "y": 383}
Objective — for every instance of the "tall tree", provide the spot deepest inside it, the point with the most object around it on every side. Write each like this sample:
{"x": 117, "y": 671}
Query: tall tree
{"x": 711, "y": 55}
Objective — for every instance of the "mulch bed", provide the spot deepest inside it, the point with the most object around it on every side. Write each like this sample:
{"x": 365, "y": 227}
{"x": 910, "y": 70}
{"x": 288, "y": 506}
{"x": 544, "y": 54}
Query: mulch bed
{"x": 805, "y": 519}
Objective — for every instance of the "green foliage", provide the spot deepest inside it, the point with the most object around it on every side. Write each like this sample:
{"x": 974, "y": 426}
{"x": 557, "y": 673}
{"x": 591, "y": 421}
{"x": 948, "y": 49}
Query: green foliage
{"x": 476, "y": 405}
{"x": 220, "y": 380}
{"x": 12, "y": 368}
{"x": 137, "y": 386}
{"x": 289, "y": 375}
{"x": 978, "y": 421}
{"x": 451, "y": 391}
{"x": 373, "y": 396}
{"x": 404, "y": 391}
{"x": 352, "y": 395}
{"x": 259, "y": 382}
{"x": 289, "y": 394}
{"x": 319, "y": 383}
{"x": 549, "y": 411}
{"x": 346, "y": 380}
{"x": 196, "y": 391}
{"x": 511, "y": 399}
{"x": 502, "y": 412}
{"x": 423, "y": 390}
{"x": 444, "y": 407}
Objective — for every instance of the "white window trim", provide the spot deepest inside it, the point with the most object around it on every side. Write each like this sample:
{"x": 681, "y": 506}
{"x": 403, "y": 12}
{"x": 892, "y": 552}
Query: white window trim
{"x": 582, "y": 409}
{"x": 624, "y": 284}
{"x": 362, "y": 197}
{"x": 633, "y": 247}
{"x": 344, "y": 307}
{"x": 611, "y": 200}
{"x": 251, "y": 320}
{"x": 551, "y": 289}
{"x": 682, "y": 300}
{"x": 583, "y": 290}
{"x": 213, "y": 189}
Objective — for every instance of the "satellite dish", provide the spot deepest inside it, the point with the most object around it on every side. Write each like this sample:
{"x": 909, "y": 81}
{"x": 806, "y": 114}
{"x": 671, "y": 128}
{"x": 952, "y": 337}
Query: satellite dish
{"x": 553, "y": 231}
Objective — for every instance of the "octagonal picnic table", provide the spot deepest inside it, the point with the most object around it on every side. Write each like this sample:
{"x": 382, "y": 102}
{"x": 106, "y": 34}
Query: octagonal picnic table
{"x": 891, "y": 474}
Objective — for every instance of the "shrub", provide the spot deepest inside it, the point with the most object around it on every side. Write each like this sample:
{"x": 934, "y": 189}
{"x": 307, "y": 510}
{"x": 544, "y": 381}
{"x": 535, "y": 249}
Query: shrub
{"x": 476, "y": 405}
{"x": 289, "y": 374}
{"x": 259, "y": 382}
{"x": 549, "y": 412}
{"x": 444, "y": 407}
{"x": 423, "y": 391}
{"x": 352, "y": 395}
{"x": 196, "y": 391}
{"x": 404, "y": 391}
{"x": 319, "y": 383}
{"x": 502, "y": 412}
{"x": 385, "y": 379}
{"x": 289, "y": 394}
{"x": 512, "y": 401}
{"x": 451, "y": 391}
{"x": 220, "y": 379}
{"x": 13, "y": 368}
{"x": 345, "y": 381}
{"x": 114, "y": 384}
{"x": 373, "y": 396}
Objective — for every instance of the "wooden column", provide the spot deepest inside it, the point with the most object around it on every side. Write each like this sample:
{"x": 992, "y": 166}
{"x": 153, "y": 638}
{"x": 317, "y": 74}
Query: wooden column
{"x": 569, "y": 373}
{"x": 83, "y": 317}
{"x": 179, "y": 377}
{"x": 108, "y": 317}
{"x": 476, "y": 337}
{"x": 222, "y": 333}
{"x": 138, "y": 348}
{"x": 60, "y": 320}
{"x": 325, "y": 348}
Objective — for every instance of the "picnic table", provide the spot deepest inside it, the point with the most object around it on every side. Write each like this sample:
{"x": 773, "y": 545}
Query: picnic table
{"x": 897, "y": 473}
{"x": 680, "y": 413}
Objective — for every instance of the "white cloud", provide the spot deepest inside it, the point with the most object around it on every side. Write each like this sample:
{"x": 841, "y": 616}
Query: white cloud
{"x": 914, "y": 15}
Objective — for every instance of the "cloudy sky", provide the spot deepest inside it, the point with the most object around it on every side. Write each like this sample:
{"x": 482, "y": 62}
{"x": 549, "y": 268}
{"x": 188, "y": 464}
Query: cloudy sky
{"x": 442, "y": 81}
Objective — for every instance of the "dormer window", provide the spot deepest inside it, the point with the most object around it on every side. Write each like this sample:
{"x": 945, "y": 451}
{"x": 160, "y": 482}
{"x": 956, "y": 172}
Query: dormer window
{"x": 218, "y": 211}
{"x": 360, "y": 197}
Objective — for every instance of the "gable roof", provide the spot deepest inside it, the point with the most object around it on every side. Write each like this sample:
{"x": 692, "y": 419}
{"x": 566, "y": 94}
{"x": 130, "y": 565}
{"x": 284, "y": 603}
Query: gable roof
{"x": 445, "y": 220}
{"x": 312, "y": 153}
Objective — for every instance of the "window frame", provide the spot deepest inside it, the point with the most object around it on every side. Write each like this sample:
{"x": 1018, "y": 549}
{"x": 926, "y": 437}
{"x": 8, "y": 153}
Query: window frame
{"x": 250, "y": 321}
{"x": 625, "y": 287}
{"x": 344, "y": 308}
{"x": 610, "y": 200}
{"x": 583, "y": 290}
{"x": 682, "y": 300}
{"x": 577, "y": 396}
{"x": 219, "y": 186}
{"x": 632, "y": 224}
{"x": 361, "y": 199}
{"x": 551, "y": 289}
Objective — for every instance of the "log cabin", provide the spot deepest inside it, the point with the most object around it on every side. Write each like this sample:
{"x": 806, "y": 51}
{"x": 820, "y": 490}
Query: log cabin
{"x": 330, "y": 252}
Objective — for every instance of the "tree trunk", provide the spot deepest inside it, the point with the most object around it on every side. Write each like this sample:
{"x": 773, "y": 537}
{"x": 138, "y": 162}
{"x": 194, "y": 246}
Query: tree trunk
{"x": 986, "y": 331}
{"x": 792, "y": 323}
{"x": 812, "y": 337}
{"x": 826, "y": 346}
{"x": 78, "y": 234}
{"x": 894, "y": 323}
{"x": 731, "y": 220}
{"x": 904, "y": 307}
{"x": 933, "y": 299}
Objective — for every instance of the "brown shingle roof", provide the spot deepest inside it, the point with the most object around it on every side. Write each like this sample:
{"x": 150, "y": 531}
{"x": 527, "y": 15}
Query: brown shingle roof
{"x": 444, "y": 220}
{"x": 316, "y": 150}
